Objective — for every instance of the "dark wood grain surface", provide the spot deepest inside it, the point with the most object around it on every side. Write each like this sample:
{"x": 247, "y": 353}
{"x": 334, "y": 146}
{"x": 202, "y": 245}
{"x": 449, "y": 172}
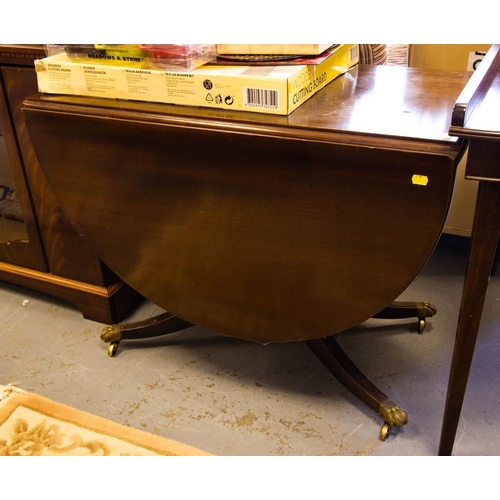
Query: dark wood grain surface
{"x": 257, "y": 226}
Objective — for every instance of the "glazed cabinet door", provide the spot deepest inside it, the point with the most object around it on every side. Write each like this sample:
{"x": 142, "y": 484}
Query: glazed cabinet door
{"x": 20, "y": 243}
{"x": 66, "y": 252}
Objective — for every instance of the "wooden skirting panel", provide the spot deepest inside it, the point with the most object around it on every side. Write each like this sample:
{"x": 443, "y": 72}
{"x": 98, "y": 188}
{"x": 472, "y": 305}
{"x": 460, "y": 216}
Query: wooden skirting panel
{"x": 106, "y": 305}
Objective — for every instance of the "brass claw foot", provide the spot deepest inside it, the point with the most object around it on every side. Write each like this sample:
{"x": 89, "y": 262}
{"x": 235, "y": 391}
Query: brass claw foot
{"x": 394, "y": 416}
{"x": 425, "y": 310}
{"x": 400, "y": 310}
{"x": 112, "y": 334}
{"x": 161, "y": 324}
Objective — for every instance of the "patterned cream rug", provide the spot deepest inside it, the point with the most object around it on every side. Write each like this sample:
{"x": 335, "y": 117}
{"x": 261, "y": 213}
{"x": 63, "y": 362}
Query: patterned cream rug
{"x": 31, "y": 425}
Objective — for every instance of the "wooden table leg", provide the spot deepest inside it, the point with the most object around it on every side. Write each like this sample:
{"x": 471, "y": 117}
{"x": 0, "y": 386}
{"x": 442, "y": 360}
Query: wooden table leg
{"x": 485, "y": 234}
{"x": 334, "y": 358}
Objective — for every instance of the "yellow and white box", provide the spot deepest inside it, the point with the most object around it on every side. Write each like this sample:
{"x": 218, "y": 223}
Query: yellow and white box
{"x": 277, "y": 89}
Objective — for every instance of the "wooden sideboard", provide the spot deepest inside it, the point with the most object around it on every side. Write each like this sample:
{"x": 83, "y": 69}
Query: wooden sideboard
{"x": 39, "y": 248}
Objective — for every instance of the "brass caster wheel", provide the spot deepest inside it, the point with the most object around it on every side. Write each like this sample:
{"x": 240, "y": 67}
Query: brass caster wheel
{"x": 113, "y": 347}
{"x": 421, "y": 325}
{"x": 385, "y": 431}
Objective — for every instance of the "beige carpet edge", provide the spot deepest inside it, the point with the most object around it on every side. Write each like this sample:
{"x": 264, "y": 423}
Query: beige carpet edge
{"x": 13, "y": 397}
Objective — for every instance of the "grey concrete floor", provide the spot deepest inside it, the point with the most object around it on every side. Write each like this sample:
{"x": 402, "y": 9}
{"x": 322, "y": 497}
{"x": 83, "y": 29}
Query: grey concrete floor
{"x": 238, "y": 398}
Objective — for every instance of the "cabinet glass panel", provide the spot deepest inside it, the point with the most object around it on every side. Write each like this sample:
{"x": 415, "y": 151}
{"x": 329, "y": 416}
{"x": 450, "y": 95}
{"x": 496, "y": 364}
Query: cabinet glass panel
{"x": 12, "y": 225}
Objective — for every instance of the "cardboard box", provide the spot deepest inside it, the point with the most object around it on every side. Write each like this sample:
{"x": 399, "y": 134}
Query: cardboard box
{"x": 278, "y": 89}
{"x": 446, "y": 56}
{"x": 172, "y": 57}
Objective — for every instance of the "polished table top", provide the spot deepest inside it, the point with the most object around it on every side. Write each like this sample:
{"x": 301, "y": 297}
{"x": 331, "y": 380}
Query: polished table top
{"x": 269, "y": 228}
{"x": 368, "y": 101}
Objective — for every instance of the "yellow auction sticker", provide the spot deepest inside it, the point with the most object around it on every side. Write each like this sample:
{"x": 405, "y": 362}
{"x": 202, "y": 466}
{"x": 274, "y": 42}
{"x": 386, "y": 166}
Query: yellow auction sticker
{"x": 420, "y": 180}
